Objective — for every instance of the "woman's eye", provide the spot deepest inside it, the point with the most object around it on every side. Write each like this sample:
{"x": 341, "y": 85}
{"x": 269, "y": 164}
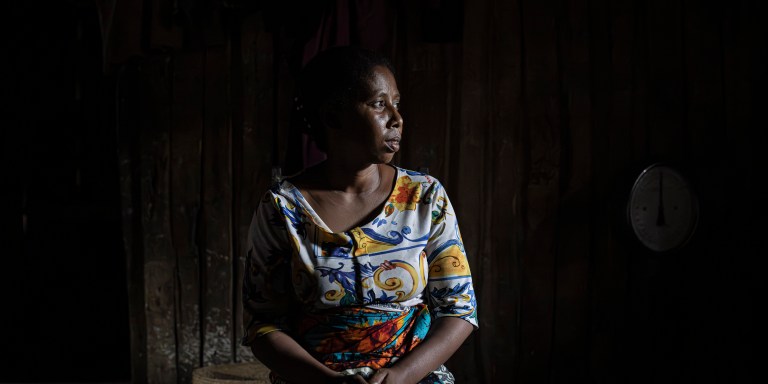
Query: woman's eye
{"x": 381, "y": 104}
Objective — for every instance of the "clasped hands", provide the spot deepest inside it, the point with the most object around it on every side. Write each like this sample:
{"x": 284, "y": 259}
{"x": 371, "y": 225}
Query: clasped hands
{"x": 382, "y": 376}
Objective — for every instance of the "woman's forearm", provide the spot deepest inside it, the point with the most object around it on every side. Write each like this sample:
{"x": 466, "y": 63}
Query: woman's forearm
{"x": 443, "y": 340}
{"x": 282, "y": 354}
{"x": 288, "y": 359}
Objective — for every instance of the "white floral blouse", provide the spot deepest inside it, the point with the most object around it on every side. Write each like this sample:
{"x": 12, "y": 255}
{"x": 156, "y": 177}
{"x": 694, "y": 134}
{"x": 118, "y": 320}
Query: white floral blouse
{"x": 410, "y": 253}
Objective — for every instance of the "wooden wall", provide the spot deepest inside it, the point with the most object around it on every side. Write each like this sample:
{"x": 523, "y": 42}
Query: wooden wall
{"x": 537, "y": 117}
{"x": 64, "y": 315}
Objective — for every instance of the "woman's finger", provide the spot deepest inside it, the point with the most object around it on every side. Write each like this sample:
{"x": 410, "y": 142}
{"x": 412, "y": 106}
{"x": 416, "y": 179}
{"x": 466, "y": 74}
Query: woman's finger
{"x": 378, "y": 378}
{"x": 353, "y": 379}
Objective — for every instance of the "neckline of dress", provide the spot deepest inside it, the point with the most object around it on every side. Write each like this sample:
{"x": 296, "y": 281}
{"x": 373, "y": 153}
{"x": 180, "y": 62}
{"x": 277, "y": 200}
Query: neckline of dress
{"x": 319, "y": 221}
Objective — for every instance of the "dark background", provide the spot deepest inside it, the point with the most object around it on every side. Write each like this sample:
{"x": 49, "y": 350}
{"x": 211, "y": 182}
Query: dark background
{"x": 65, "y": 312}
{"x": 141, "y": 134}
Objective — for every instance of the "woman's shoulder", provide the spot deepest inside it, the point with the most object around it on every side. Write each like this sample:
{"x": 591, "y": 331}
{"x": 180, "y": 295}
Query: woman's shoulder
{"x": 415, "y": 176}
{"x": 280, "y": 193}
{"x": 418, "y": 184}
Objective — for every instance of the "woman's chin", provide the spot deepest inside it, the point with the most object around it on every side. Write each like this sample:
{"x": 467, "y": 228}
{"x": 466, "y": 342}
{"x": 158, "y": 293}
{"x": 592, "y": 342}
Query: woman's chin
{"x": 386, "y": 158}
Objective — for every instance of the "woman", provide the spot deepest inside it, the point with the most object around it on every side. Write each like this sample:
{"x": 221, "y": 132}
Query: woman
{"x": 356, "y": 272}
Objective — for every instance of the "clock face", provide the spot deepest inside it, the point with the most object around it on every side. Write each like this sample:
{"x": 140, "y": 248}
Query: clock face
{"x": 662, "y": 209}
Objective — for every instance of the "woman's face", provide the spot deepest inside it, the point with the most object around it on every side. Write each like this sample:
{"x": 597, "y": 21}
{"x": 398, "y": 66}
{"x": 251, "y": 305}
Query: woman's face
{"x": 373, "y": 123}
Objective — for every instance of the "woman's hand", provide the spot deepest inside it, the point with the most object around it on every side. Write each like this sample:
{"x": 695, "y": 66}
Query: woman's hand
{"x": 445, "y": 337}
{"x": 283, "y": 355}
{"x": 388, "y": 376}
{"x": 346, "y": 379}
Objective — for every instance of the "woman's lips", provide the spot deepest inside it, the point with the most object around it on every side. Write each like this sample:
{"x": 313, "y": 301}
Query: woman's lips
{"x": 393, "y": 145}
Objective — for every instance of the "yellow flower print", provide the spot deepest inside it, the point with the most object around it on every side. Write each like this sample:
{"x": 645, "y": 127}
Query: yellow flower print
{"x": 407, "y": 194}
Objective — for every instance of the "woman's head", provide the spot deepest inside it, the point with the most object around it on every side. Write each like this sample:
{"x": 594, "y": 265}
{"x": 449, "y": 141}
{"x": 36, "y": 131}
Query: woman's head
{"x": 349, "y": 87}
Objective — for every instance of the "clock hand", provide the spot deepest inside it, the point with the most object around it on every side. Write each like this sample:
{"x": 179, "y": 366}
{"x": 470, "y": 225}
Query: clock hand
{"x": 660, "y": 220}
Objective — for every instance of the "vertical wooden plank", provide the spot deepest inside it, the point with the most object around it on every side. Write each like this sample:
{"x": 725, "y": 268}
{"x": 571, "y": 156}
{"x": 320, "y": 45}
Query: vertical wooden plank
{"x": 503, "y": 195}
{"x": 121, "y": 30}
{"x": 702, "y": 301}
{"x": 424, "y": 99}
{"x": 241, "y": 41}
{"x": 186, "y": 141}
{"x": 617, "y": 97}
{"x": 217, "y": 322}
{"x": 163, "y": 31}
{"x": 741, "y": 149}
{"x": 159, "y": 263}
{"x": 613, "y": 61}
{"x": 429, "y": 80}
{"x": 702, "y": 39}
{"x": 128, "y": 96}
{"x": 252, "y": 91}
{"x": 426, "y": 84}
{"x": 619, "y": 108}
{"x": 755, "y": 226}
{"x": 469, "y": 183}
{"x": 639, "y": 54}
{"x": 571, "y": 322}
{"x": 453, "y": 57}
{"x": 214, "y": 32}
{"x": 657, "y": 279}
{"x": 283, "y": 85}
{"x": 665, "y": 85}
{"x": 541, "y": 133}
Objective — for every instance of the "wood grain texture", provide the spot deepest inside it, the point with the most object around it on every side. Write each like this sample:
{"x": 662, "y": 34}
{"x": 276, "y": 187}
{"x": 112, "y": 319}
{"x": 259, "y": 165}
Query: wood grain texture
{"x": 185, "y": 160}
{"x": 505, "y": 194}
{"x": 742, "y": 146}
{"x": 427, "y": 84}
{"x": 217, "y": 296}
{"x": 607, "y": 271}
{"x": 536, "y": 122}
{"x": 128, "y": 93}
{"x": 252, "y": 68}
{"x": 468, "y": 185}
{"x": 704, "y": 120}
{"x": 570, "y": 328}
{"x": 164, "y": 32}
{"x": 214, "y": 24}
{"x": 656, "y": 281}
{"x": 159, "y": 263}
{"x": 541, "y": 136}
{"x": 665, "y": 87}
{"x": 121, "y": 34}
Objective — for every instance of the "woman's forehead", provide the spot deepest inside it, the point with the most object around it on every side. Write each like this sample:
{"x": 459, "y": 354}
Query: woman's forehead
{"x": 381, "y": 80}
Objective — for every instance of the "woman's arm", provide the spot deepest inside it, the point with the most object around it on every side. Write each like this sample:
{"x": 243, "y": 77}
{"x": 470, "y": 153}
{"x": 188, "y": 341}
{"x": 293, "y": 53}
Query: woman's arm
{"x": 443, "y": 340}
{"x": 282, "y": 354}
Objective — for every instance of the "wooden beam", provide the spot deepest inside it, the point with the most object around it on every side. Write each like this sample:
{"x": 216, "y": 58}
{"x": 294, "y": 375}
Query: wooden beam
{"x": 186, "y": 167}
{"x": 217, "y": 298}
{"x": 159, "y": 261}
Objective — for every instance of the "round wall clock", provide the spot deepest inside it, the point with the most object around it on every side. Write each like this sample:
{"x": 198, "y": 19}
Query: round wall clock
{"x": 663, "y": 210}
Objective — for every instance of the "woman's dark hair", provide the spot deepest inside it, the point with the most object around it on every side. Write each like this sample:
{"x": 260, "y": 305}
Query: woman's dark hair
{"x": 331, "y": 81}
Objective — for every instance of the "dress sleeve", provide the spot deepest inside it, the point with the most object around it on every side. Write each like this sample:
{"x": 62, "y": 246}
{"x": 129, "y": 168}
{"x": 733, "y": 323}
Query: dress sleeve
{"x": 267, "y": 289}
{"x": 449, "y": 285}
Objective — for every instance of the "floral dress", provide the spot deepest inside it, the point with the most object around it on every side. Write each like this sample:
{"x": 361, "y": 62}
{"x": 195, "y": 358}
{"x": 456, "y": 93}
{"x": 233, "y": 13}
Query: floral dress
{"x": 357, "y": 300}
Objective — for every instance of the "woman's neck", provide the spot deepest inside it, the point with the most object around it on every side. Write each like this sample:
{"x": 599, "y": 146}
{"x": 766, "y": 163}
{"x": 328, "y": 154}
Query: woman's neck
{"x": 350, "y": 178}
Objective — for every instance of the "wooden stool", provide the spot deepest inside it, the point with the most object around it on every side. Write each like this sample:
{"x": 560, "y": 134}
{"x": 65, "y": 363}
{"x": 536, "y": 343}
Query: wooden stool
{"x": 242, "y": 373}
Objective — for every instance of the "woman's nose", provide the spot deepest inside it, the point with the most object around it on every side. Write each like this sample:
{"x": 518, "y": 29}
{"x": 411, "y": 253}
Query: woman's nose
{"x": 395, "y": 119}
